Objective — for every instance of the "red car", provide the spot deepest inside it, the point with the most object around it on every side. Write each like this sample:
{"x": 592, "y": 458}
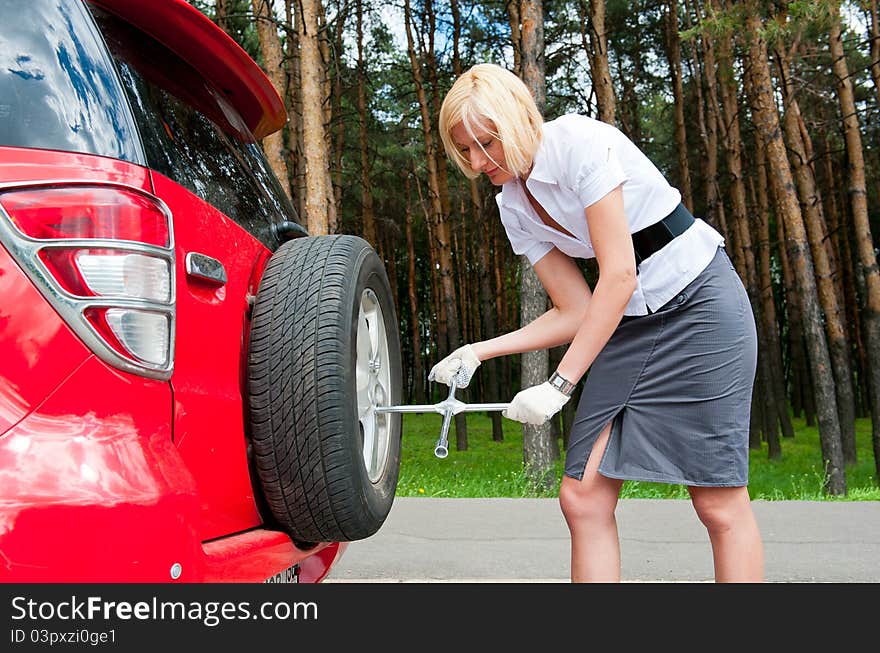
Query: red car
{"x": 187, "y": 379}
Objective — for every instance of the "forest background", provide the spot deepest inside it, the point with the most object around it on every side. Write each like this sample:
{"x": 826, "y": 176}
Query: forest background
{"x": 766, "y": 115}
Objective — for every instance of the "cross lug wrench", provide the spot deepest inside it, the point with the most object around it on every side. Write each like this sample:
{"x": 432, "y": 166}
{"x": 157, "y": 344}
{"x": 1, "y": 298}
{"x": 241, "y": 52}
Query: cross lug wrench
{"x": 448, "y": 407}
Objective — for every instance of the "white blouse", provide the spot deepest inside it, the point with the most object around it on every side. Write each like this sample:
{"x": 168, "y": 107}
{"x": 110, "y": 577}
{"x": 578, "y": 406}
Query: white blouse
{"x": 581, "y": 160}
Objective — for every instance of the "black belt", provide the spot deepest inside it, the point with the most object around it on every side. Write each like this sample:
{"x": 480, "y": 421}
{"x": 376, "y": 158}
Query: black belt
{"x": 652, "y": 239}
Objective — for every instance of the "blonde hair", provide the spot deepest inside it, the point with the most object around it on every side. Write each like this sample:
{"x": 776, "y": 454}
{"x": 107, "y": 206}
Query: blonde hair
{"x": 489, "y": 93}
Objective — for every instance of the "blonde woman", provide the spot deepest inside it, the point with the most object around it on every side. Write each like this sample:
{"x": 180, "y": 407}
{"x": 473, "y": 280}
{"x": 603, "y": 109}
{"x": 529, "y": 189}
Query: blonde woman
{"x": 667, "y": 332}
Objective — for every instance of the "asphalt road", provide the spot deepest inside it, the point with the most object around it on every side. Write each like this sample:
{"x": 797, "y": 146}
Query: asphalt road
{"x": 526, "y": 541}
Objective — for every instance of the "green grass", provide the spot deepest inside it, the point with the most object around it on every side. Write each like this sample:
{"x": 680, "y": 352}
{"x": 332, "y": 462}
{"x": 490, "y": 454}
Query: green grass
{"x": 494, "y": 469}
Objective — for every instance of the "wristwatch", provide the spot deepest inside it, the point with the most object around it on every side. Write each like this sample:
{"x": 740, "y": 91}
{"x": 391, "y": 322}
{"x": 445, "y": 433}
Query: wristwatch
{"x": 562, "y": 384}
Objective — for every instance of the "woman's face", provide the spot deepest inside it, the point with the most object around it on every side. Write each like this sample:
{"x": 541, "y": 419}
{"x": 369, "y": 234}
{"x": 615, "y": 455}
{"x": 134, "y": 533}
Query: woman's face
{"x": 489, "y": 158}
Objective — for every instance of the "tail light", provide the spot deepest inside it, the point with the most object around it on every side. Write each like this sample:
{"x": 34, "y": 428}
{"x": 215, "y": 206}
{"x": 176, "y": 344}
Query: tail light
{"x": 104, "y": 257}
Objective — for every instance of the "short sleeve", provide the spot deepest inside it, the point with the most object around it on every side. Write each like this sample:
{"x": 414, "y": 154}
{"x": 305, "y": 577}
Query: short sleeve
{"x": 600, "y": 171}
{"x": 521, "y": 241}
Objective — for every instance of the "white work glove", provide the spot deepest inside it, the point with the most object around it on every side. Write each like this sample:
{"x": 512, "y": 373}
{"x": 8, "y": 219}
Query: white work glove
{"x": 536, "y": 405}
{"x": 460, "y": 365}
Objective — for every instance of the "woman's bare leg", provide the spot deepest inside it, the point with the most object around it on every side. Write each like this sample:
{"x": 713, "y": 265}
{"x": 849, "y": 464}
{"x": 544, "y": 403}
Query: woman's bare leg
{"x": 588, "y": 506}
{"x": 736, "y": 542}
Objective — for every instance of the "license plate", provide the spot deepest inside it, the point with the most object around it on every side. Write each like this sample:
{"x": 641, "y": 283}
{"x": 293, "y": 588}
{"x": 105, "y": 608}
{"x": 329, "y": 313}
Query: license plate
{"x": 289, "y": 575}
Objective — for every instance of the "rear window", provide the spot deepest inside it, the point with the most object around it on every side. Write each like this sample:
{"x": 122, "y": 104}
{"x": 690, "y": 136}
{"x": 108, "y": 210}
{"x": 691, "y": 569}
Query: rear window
{"x": 58, "y": 88}
{"x": 191, "y": 133}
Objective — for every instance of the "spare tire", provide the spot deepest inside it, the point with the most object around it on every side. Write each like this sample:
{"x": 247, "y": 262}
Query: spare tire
{"x": 324, "y": 351}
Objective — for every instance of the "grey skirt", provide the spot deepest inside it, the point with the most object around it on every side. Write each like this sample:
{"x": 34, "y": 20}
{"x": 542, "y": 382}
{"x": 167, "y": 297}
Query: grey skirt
{"x": 677, "y": 387}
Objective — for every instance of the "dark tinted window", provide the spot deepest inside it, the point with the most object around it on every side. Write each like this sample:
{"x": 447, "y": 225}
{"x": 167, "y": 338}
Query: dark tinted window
{"x": 192, "y": 134}
{"x": 58, "y": 89}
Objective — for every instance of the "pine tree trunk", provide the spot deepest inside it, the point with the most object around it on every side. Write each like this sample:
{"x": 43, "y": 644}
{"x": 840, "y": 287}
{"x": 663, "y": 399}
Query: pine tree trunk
{"x": 368, "y": 218}
{"x": 456, "y": 37}
{"x": 501, "y": 264}
{"x": 756, "y": 417}
{"x": 440, "y": 233}
{"x": 840, "y": 236}
{"x": 732, "y": 140}
{"x": 415, "y": 333}
{"x": 439, "y": 345}
{"x": 487, "y": 309}
{"x": 327, "y": 113}
{"x": 766, "y": 120}
{"x": 273, "y": 64}
{"x": 874, "y": 35}
{"x": 708, "y": 159}
{"x": 597, "y": 53}
{"x": 864, "y": 241}
{"x": 673, "y": 53}
{"x": 294, "y": 101}
{"x": 744, "y": 255}
{"x": 458, "y": 246}
{"x": 537, "y": 440}
{"x": 513, "y": 17}
{"x": 388, "y": 245}
{"x": 832, "y": 224}
{"x": 802, "y": 384}
{"x": 835, "y": 226}
{"x": 714, "y": 127}
{"x": 315, "y": 155}
{"x": 629, "y": 106}
{"x": 770, "y": 420}
{"x": 338, "y": 131}
{"x": 770, "y": 322}
{"x": 431, "y": 68}
{"x": 221, "y": 9}
{"x": 814, "y": 220}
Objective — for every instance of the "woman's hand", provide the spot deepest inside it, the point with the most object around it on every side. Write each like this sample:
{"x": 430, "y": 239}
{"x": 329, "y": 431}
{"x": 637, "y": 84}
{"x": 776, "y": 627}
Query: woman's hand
{"x": 460, "y": 365}
{"x": 536, "y": 405}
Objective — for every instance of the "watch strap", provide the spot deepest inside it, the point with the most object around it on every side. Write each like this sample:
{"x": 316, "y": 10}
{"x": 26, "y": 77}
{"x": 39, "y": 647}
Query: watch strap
{"x": 562, "y": 384}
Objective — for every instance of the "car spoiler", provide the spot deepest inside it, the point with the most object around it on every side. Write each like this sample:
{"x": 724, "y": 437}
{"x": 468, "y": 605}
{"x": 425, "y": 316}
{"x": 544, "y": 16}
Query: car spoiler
{"x": 212, "y": 52}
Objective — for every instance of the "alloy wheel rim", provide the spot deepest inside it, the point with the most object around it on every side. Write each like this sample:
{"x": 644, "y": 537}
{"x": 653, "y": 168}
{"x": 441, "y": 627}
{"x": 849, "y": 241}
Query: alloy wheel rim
{"x": 373, "y": 383}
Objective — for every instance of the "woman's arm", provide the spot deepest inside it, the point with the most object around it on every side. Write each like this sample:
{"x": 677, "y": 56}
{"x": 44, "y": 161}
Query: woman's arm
{"x": 566, "y": 286}
{"x": 584, "y": 319}
{"x": 612, "y": 243}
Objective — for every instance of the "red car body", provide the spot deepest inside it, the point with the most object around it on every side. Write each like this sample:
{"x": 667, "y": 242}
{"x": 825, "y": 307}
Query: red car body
{"x": 109, "y": 473}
